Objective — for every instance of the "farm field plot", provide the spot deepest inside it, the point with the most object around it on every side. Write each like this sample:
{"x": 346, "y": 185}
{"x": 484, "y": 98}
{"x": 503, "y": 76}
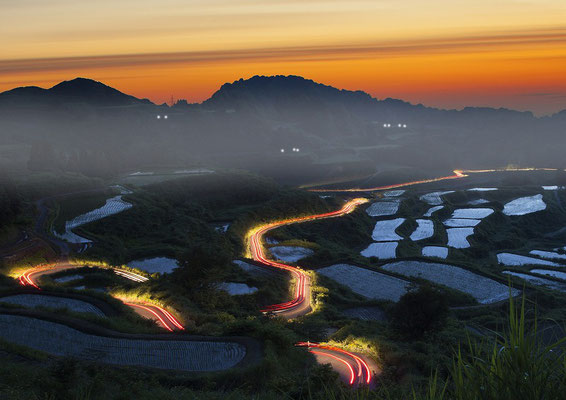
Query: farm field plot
{"x": 72, "y": 237}
{"x": 366, "y": 313}
{"x": 472, "y": 213}
{"x": 113, "y": 206}
{"x": 549, "y": 272}
{"x": 424, "y": 230}
{"x": 477, "y": 202}
{"x": 434, "y": 198}
{"x": 551, "y": 255}
{"x": 381, "y": 250}
{"x": 156, "y": 264}
{"x": 535, "y": 280}
{"x": 290, "y": 253}
{"x": 370, "y": 284}
{"x": 525, "y": 205}
{"x": 383, "y": 208}
{"x": 122, "y": 189}
{"x": 36, "y": 300}
{"x": 251, "y": 268}
{"x": 458, "y": 237}
{"x": 461, "y": 222}
{"x": 143, "y": 178}
{"x": 394, "y": 193}
{"x": 236, "y": 289}
{"x": 515, "y": 260}
{"x": 435, "y": 251}
{"x": 384, "y": 231}
{"x": 61, "y": 340}
{"x": 483, "y": 289}
{"x": 68, "y": 278}
{"x": 432, "y": 210}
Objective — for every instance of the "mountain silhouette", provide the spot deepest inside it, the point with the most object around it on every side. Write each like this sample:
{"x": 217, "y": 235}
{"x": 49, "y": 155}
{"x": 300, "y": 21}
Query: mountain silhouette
{"x": 264, "y": 114}
{"x": 76, "y": 91}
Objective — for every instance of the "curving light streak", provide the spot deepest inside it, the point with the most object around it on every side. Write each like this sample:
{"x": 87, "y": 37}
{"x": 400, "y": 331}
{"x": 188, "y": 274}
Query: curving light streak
{"x": 152, "y": 312}
{"x": 257, "y": 252}
{"x": 363, "y": 367}
{"x": 29, "y": 278}
{"x": 171, "y": 318}
{"x": 130, "y": 275}
{"x": 457, "y": 174}
{"x": 352, "y": 375}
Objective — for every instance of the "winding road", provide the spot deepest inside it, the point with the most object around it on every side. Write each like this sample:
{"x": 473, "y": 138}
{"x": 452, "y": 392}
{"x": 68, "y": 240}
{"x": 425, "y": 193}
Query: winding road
{"x": 164, "y": 318}
{"x": 355, "y": 369}
{"x": 457, "y": 174}
{"x": 301, "y": 303}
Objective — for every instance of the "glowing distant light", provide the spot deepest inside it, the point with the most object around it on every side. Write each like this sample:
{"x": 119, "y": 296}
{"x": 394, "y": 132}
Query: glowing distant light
{"x": 404, "y": 125}
{"x": 165, "y": 116}
{"x": 282, "y": 150}
{"x": 159, "y": 117}
{"x": 297, "y": 149}
{"x": 399, "y": 125}
{"x": 385, "y": 125}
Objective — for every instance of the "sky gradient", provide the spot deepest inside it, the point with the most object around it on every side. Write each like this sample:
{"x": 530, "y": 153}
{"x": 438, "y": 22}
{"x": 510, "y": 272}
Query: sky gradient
{"x": 450, "y": 54}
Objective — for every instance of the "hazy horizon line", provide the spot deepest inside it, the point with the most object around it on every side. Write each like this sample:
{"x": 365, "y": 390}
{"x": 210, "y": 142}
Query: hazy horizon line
{"x": 315, "y": 81}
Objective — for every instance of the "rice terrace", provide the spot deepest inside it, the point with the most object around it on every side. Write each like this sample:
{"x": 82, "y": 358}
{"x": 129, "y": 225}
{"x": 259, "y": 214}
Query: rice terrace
{"x": 283, "y": 200}
{"x": 475, "y": 270}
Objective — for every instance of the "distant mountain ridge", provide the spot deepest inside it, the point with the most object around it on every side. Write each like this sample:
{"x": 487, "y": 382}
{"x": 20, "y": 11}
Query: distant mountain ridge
{"x": 78, "y": 90}
{"x": 88, "y": 123}
{"x": 278, "y": 89}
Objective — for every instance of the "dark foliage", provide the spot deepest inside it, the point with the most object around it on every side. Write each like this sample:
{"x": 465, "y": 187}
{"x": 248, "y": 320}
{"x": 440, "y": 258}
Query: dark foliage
{"x": 419, "y": 311}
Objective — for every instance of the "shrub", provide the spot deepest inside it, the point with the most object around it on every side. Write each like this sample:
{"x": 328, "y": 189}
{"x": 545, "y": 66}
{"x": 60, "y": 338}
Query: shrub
{"x": 420, "y": 311}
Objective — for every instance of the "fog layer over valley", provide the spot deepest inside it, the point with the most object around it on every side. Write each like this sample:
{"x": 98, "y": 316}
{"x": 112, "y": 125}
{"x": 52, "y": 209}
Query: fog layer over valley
{"x": 289, "y": 127}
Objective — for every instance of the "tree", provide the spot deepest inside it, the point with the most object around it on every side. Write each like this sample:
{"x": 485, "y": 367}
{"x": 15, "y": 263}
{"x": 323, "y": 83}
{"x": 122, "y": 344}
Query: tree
{"x": 419, "y": 311}
{"x": 202, "y": 266}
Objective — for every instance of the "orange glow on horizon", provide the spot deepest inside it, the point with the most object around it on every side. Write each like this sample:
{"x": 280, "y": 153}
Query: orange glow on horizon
{"x": 440, "y": 53}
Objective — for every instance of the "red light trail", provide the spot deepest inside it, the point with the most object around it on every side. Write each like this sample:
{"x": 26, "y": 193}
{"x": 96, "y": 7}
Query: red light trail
{"x": 301, "y": 302}
{"x": 302, "y": 298}
{"x": 164, "y": 317}
{"x": 457, "y": 174}
{"x": 339, "y": 359}
{"x": 358, "y": 364}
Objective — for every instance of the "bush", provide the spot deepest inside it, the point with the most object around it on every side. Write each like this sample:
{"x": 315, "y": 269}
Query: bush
{"x": 419, "y": 311}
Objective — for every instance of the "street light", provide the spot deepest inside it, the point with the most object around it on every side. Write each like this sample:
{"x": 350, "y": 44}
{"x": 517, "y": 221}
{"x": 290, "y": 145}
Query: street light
{"x": 159, "y": 117}
{"x": 282, "y": 150}
{"x": 165, "y": 117}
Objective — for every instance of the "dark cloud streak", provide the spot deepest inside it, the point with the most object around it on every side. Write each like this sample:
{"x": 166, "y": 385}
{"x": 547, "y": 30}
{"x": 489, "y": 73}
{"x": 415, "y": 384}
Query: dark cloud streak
{"x": 487, "y": 43}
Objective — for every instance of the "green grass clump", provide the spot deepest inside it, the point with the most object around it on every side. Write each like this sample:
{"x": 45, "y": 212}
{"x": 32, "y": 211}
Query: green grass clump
{"x": 518, "y": 365}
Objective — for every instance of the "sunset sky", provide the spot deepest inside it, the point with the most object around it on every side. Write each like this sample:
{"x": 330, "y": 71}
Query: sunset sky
{"x": 446, "y": 53}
